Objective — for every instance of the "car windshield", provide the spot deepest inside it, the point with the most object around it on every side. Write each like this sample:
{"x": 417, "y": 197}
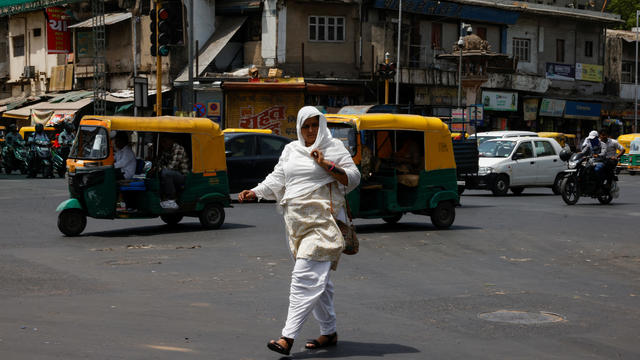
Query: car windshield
{"x": 92, "y": 143}
{"x": 499, "y": 148}
{"x": 483, "y": 138}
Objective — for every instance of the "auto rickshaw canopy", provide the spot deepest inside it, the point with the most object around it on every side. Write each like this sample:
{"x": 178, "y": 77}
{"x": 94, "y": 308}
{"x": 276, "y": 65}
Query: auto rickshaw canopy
{"x": 626, "y": 139}
{"x": 207, "y": 140}
{"x": 438, "y": 149}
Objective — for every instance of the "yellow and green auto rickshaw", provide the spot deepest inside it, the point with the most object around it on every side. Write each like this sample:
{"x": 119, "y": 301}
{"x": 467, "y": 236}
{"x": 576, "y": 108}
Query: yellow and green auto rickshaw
{"x": 561, "y": 138}
{"x": 407, "y": 166}
{"x": 630, "y": 160}
{"x": 95, "y": 191}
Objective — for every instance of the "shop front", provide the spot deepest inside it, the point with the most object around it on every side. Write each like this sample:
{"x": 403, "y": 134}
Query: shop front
{"x": 550, "y": 117}
{"x": 586, "y": 115}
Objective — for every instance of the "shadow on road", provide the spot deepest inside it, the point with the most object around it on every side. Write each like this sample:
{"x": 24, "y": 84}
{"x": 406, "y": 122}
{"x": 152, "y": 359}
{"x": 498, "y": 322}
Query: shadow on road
{"x": 161, "y": 229}
{"x": 405, "y": 227}
{"x": 509, "y": 195}
{"x": 351, "y": 348}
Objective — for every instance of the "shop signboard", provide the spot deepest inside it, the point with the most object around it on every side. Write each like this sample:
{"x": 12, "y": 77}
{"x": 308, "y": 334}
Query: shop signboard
{"x": 500, "y": 101}
{"x": 582, "y": 110}
{"x": 552, "y": 107}
{"x": 530, "y": 109}
{"x": 260, "y": 109}
{"x": 560, "y": 71}
{"x": 589, "y": 72}
{"x": 58, "y": 34}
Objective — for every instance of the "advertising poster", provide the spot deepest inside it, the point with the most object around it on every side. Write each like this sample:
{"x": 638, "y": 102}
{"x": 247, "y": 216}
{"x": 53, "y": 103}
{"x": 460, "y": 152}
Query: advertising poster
{"x": 500, "y": 101}
{"x": 58, "y": 35}
{"x": 552, "y": 107}
{"x": 530, "y": 108}
{"x": 560, "y": 72}
{"x": 589, "y": 72}
{"x": 264, "y": 110}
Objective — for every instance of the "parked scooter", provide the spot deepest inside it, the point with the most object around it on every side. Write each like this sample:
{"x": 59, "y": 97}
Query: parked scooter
{"x": 14, "y": 157}
{"x": 581, "y": 179}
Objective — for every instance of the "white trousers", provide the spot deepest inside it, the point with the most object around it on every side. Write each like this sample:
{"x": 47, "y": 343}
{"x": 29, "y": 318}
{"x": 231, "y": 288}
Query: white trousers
{"x": 311, "y": 291}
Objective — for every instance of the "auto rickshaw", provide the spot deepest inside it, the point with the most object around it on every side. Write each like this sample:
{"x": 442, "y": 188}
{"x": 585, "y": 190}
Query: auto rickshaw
{"x": 572, "y": 141}
{"x": 95, "y": 191}
{"x": 407, "y": 166}
{"x": 630, "y": 160}
{"x": 561, "y": 138}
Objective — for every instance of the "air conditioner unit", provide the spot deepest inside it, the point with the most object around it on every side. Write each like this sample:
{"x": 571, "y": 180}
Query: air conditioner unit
{"x": 29, "y": 72}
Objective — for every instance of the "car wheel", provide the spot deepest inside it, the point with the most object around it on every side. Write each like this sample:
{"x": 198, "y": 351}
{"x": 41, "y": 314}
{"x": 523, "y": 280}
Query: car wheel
{"x": 556, "y": 185}
{"x": 570, "y": 191}
{"x": 500, "y": 185}
{"x": 72, "y": 222}
{"x": 171, "y": 219}
{"x": 517, "y": 190}
{"x": 443, "y": 215}
{"x": 212, "y": 216}
{"x": 392, "y": 219}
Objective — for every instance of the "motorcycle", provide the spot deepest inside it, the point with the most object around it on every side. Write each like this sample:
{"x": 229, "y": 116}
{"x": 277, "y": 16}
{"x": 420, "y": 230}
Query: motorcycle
{"x": 60, "y": 160}
{"x": 14, "y": 157}
{"x": 40, "y": 159}
{"x": 580, "y": 179}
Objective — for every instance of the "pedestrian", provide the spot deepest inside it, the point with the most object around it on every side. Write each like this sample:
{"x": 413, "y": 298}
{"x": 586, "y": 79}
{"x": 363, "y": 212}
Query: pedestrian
{"x": 309, "y": 184}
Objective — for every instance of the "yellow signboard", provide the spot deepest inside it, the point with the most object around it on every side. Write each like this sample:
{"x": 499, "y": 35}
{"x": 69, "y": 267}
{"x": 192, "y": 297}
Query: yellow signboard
{"x": 589, "y": 72}
{"x": 274, "y": 110}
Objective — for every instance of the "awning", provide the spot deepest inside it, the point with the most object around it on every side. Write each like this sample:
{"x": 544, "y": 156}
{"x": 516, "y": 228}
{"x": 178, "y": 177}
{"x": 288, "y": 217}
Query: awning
{"x": 23, "y": 113}
{"x": 226, "y": 27}
{"x": 47, "y": 111}
{"x": 109, "y": 19}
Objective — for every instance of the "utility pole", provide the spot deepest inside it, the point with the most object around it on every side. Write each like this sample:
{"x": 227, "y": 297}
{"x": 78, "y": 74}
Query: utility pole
{"x": 635, "y": 114}
{"x": 158, "y": 64}
{"x": 192, "y": 97}
{"x": 398, "y": 54}
{"x": 386, "y": 81}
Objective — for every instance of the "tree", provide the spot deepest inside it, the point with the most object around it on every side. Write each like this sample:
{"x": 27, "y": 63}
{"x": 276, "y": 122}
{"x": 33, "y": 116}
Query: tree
{"x": 627, "y": 11}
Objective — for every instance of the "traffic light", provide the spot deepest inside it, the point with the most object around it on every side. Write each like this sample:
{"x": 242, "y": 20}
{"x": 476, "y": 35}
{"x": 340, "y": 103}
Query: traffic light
{"x": 387, "y": 71}
{"x": 174, "y": 18}
{"x": 160, "y": 33}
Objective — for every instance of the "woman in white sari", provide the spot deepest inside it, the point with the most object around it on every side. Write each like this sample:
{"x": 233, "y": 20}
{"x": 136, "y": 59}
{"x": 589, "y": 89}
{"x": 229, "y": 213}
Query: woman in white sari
{"x": 309, "y": 182}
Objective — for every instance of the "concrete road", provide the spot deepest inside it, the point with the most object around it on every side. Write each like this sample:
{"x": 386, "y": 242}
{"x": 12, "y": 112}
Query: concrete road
{"x": 138, "y": 289}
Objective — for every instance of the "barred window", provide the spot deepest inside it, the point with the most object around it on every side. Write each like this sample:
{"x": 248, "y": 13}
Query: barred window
{"x": 326, "y": 28}
{"x": 522, "y": 49}
{"x": 627, "y": 72}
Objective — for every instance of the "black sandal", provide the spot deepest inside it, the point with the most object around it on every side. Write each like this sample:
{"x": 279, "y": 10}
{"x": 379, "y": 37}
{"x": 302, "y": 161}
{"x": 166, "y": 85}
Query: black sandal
{"x": 273, "y": 345}
{"x": 332, "y": 340}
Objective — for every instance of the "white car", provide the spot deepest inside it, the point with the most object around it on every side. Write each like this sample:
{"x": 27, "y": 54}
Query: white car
{"x": 488, "y": 135}
{"x": 517, "y": 163}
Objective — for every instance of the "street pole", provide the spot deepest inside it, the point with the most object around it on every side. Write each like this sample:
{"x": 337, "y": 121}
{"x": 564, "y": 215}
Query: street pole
{"x": 158, "y": 66}
{"x": 135, "y": 54}
{"x": 398, "y": 54}
{"x": 635, "y": 113}
{"x": 192, "y": 94}
{"x": 460, "y": 46}
{"x": 386, "y": 81}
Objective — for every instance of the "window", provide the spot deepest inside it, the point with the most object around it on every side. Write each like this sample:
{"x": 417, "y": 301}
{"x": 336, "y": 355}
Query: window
{"x": 326, "y": 28}
{"x": 588, "y": 48}
{"x": 544, "y": 148}
{"x": 436, "y": 35}
{"x": 37, "y": 32}
{"x": 525, "y": 150}
{"x": 560, "y": 50}
{"x": 627, "y": 73}
{"x": 522, "y": 49}
{"x": 18, "y": 45}
{"x": 482, "y": 32}
{"x": 240, "y": 146}
{"x": 271, "y": 146}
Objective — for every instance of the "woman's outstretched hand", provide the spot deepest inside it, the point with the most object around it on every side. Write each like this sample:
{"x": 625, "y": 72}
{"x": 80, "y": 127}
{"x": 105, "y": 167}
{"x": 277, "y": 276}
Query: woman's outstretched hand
{"x": 247, "y": 195}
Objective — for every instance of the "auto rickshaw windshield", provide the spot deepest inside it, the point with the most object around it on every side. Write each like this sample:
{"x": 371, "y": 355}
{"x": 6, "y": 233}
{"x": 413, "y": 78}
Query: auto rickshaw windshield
{"x": 348, "y": 136}
{"x": 92, "y": 143}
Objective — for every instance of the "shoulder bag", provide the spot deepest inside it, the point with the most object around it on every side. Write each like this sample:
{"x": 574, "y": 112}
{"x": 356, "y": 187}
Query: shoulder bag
{"x": 351, "y": 244}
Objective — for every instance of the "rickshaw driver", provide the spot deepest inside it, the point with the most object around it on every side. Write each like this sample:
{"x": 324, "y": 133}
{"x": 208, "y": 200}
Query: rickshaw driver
{"x": 125, "y": 159}
{"x": 173, "y": 165}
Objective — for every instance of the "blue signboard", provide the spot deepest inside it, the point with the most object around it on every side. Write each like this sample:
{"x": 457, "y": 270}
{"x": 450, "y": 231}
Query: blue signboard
{"x": 561, "y": 71}
{"x": 582, "y": 110}
{"x": 453, "y": 10}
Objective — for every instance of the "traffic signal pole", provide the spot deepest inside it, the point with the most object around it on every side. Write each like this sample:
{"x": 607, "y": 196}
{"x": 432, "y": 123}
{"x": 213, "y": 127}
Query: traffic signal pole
{"x": 386, "y": 81}
{"x": 158, "y": 63}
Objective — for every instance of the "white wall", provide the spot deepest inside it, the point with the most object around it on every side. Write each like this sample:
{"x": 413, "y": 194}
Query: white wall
{"x": 204, "y": 17}
{"x": 35, "y": 48}
{"x": 525, "y": 29}
{"x": 269, "y": 32}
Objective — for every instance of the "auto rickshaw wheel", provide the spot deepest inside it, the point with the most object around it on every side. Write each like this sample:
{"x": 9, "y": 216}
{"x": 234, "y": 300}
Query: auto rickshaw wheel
{"x": 500, "y": 186}
{"x": 72, "y": 222}
{"x": 392, "y": 219}
{"x": 632, "y": 173}
{"x": 212, "y": 216}
{"x": 171, "y": 219}
{"x": 443, "y": 215}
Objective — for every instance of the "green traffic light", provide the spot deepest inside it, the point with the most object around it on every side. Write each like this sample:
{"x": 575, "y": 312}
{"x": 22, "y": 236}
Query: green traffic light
{"x": 163, "y": 51}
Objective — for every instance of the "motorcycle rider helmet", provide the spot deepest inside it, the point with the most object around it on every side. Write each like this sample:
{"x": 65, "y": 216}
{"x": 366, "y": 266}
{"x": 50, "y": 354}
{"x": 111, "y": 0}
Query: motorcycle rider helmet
{"x": 39, "y": 128}
{"x": 565, "y": 155}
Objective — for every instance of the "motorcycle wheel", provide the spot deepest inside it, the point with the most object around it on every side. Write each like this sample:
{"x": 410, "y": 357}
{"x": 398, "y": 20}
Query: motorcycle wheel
{"x": 605, "y": 198}
{"x": 569, "y": 190}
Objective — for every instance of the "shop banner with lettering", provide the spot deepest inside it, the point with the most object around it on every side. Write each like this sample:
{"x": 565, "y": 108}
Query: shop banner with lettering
{"x": 561, "y": 72}
{"x": 589, "y": 72}
{"x": 58, "y": 35}
{"x": 552, "y": 107}
{"x": 500, "y": 101}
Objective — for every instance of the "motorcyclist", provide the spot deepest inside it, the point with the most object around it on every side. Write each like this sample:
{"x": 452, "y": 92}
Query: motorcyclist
{"x": 13, "y": 137}
{"x": 38, "y": 137}
{"x": 610, "y": 153}
{"x": 65, "y": 139}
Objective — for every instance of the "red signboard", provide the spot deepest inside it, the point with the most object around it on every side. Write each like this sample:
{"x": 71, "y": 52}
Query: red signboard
{"x": 58, "y": 35}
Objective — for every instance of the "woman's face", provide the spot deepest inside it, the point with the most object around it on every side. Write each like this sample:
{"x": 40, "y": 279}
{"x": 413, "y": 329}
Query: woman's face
{"x": 309, "y": 130}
